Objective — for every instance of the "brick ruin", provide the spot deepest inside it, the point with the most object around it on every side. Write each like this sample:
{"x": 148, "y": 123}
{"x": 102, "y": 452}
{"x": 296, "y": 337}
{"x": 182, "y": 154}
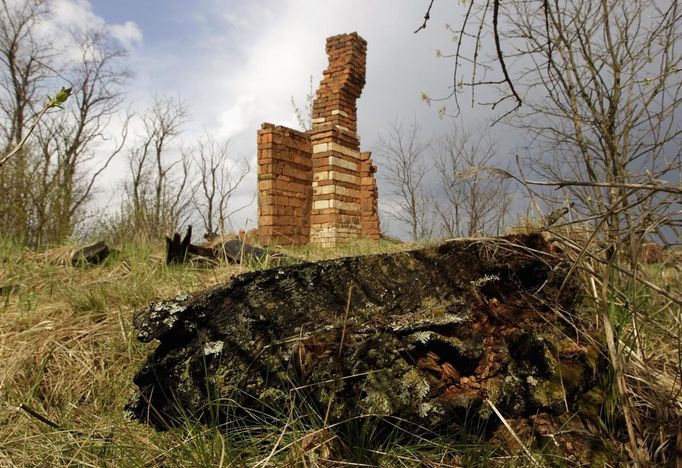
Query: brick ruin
{"x": 317, "y": 186}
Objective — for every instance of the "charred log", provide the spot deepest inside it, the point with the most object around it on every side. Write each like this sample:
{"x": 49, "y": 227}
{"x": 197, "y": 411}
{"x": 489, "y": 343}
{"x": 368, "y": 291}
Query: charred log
{"x": 433, "y": 336}
{"x": 93, "y": 254}
{"x": 233, "y": 251}
{"x": 177, "y": 249}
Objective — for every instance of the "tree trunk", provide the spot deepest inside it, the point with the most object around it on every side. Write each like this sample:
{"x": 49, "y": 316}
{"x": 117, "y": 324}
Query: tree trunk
{"x": 434, "y": 336}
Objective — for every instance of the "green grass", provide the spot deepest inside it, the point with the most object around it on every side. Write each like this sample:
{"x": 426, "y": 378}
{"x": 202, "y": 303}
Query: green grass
{"x": 68, "y": 351}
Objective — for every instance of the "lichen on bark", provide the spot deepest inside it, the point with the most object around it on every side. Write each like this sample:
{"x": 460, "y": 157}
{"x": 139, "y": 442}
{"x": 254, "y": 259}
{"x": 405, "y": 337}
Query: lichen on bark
{"x": 433, "y": 336}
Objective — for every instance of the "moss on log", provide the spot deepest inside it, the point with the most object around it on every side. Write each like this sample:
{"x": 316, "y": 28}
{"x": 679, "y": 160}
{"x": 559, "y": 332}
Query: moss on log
{"x": 433, "y": 336}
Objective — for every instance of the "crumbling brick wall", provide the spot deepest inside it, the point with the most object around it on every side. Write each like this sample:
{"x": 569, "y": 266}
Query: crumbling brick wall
{"x": 341, "y": 193}
{"x": 284, "y": 185}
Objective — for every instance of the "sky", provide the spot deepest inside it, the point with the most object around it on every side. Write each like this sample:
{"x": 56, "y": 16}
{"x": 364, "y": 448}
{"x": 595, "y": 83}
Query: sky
{"x": 238, "y": 64}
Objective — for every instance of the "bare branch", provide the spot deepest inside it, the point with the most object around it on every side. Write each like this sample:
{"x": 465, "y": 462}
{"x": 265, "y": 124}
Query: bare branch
{"x": 500, "y": 56}
{"x": 427, "y": 16}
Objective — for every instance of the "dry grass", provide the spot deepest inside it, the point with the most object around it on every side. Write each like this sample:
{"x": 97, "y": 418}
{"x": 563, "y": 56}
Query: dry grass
{"x": 69, "y": 353}
{"x": 637, "y": 308}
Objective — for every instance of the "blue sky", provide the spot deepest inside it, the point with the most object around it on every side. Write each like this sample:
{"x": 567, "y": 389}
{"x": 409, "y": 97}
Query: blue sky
{"x": 237, "y": 64}
{"x": 213, "y": 53}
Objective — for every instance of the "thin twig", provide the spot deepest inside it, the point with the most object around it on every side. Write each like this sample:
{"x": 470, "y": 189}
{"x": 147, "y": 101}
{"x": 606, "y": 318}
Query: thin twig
{"x": 222, "y": 450}
{"x": 279, "y": 440}
{"x": 23, "y": 140}
{"x": 57, "y": 101}
{"x": 345, "y": 319}
{"x": 614, "y": 357}
{"x": 31, "y": 412}
{"x": 427, "y": 17}
{"x": 343, "y": 336}
{"x": 318, "y": 431}
{"x": 458, "y": 56}
{"x": 660, "y": 187}
{"x": 620, "y": 269}
{"x": 336, "y": 379}
{"x": 500, "y": 56}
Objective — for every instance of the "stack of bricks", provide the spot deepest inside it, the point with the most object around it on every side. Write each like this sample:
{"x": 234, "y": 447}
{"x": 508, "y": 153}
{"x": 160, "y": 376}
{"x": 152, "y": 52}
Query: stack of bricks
{"x": 335, "y": 215}
{"x": 341, "y": 191}
{"x": 284, "y": 185}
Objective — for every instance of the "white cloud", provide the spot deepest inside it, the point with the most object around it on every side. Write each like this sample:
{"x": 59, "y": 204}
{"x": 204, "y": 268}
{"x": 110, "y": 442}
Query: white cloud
{"x": 128, "y": 33}
{"x": 239, "y": 63}
{"x": 67, "y": 19}
{"x": 74, "y": 14}
{"x": 237, "y": 118}
{"x": 237, "y": 20}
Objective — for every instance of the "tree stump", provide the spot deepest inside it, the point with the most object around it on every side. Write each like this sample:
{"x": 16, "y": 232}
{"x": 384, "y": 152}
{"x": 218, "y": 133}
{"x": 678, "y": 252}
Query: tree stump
{"x": 177, "y": 249}
{"x": 432, "y": 336}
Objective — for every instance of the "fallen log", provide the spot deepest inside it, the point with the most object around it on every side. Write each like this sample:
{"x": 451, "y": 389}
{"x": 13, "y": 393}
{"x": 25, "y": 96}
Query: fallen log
{"x": 438, "y": 335}
{"x": 92, "y": 254}
{"x": 179, "y": 250}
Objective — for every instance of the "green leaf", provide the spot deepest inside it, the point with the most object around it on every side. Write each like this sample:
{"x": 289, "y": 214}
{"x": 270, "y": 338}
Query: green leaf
{"x": 60, "y": 98}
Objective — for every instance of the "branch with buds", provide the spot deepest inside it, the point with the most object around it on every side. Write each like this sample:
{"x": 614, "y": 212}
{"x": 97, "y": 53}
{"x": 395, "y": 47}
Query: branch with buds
{"x": 56, "y": 101}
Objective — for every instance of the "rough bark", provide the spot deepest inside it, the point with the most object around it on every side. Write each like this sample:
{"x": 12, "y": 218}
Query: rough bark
{"x": 433, "y": 336}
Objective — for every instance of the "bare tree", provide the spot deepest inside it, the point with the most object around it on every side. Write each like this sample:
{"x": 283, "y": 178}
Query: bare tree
{"x": 69, "y": 141}
{"x": 474, "y": 201}
{"x": 610, "y": 78}
{"x": 404, "y": 154}
{"x": 219, "y": 178}
{"x": 158, "y": 190}
{"x": 24, "y": 71}
{"x": 23, "y": 75}
{"x": 608, "y": 110}
{"x": 50, "y": 180}
{"x": 602, "y": 82}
